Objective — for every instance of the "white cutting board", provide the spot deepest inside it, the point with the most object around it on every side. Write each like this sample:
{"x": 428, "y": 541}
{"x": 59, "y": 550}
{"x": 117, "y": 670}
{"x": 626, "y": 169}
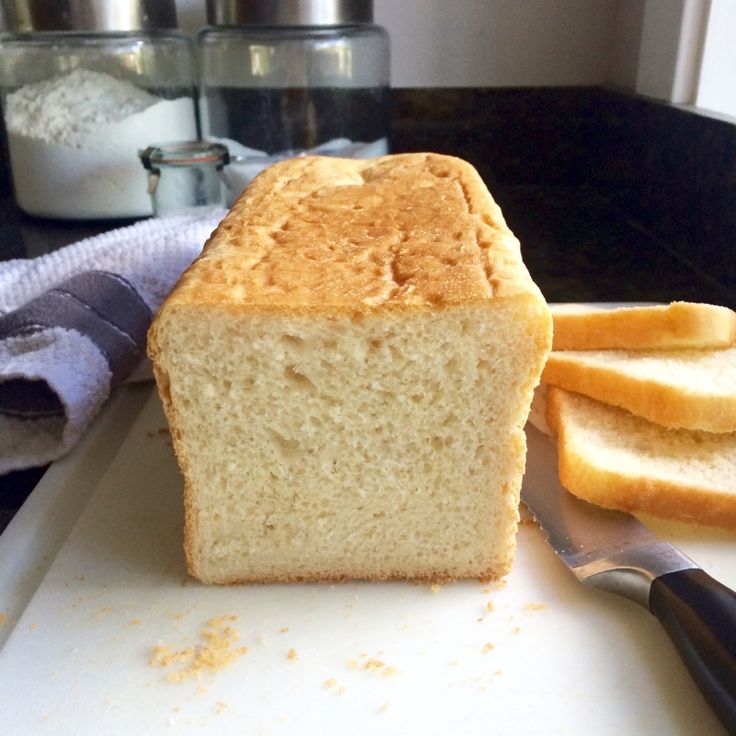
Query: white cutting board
{"x": 367, "y": 658}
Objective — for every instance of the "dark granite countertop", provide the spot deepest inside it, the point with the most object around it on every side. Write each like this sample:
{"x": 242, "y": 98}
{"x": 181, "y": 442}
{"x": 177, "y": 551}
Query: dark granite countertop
{"x": 614, "y": 198}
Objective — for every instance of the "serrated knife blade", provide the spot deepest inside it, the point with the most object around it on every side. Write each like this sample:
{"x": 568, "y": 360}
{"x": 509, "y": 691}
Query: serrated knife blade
{"x": 614, "y": 551}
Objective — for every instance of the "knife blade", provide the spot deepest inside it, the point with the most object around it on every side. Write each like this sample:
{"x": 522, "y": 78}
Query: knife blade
{"x": 613, "y": 551}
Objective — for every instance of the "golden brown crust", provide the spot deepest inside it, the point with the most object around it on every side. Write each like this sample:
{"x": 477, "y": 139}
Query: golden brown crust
{"x": 656, "y": 327}
{"x": 440, "y": 576}
{"x": 162, "y": 384}
{"x": 410, "y": 231}
{"x": 588, "y": 478}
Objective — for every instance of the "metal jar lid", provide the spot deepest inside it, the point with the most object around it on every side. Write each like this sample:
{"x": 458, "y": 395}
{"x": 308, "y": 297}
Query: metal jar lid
{"x": 289, "y": 12}
{"x": 88, "y": 15}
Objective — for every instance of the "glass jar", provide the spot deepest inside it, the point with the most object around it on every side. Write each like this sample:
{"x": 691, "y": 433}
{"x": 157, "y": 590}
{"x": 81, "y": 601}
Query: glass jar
{"x": 185, "y": 176}
{"x": 85, "y": 84}
{"x": 281, "y": 79}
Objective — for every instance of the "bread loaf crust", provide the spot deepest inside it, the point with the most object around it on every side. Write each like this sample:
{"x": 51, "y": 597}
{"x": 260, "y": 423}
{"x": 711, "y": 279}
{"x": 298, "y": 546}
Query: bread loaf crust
{"x": 305, "y": 238}
{"x": 357, "y": 246}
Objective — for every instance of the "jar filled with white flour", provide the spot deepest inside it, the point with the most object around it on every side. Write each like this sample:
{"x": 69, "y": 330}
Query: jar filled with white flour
{"x": 86, "y": 84}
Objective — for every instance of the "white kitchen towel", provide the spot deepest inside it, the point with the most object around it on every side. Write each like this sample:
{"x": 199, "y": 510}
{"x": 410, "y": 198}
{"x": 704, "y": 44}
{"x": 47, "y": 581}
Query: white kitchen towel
{"x": 73, "y": 325}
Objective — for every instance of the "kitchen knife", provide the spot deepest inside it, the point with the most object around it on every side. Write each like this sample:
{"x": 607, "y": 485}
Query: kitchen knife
{"x": 614, "y": 551}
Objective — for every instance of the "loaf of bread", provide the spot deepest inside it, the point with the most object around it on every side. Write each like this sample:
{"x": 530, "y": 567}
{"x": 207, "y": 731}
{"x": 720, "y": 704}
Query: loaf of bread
{"x": 614, "y": 459}
{"x": 689, "y": 389}
{"x": 347, "y": 370}
{"x": 647, "y": 327}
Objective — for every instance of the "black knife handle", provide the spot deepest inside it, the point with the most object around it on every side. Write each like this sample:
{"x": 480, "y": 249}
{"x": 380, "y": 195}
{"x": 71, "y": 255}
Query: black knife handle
{"x": 699, "y": 615}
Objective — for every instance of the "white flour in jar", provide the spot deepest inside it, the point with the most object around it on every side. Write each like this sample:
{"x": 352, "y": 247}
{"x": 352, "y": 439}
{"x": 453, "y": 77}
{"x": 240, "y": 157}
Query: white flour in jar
{"x": 74, "y": 140}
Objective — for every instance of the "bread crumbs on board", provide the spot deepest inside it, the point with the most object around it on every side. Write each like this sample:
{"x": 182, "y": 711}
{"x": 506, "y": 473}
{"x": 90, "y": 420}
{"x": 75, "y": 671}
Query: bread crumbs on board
{"x": 535, "y": 607}
{"x": 292, "y": 655}
{"x": 528, "y": 520}
{"x": 216, "y": 651}
{"x": 372, "y": 664}
{"x": 332, "y": 684}
{"x": 3, "y": 618}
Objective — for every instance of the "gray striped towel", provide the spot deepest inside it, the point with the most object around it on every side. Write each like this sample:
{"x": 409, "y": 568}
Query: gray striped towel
{"x": 73, "y": 325}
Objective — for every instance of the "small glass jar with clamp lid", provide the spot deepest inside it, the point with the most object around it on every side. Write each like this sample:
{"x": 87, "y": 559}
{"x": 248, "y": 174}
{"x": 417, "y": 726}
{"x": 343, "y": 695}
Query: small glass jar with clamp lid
{"x": 86, "y": 84}
{"x": 279, "y": 79}
{"x": 185, "y": 176}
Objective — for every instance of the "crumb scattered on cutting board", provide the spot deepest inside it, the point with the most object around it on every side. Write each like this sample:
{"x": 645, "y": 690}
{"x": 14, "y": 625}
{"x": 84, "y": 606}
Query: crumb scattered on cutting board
{"x": 3, "y": 618}
{"x": 292, "y": 655}
{"x": 535, "y": 606}
{"x": 214, "y": 652}
{"x": 372, "y": 664}
{"x": 333, "y": 684}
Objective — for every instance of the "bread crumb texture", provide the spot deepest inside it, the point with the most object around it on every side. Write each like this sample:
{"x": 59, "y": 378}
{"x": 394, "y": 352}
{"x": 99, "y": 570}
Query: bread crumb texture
{"x": 347, "y": 370}
{"x": 216, "y": 651}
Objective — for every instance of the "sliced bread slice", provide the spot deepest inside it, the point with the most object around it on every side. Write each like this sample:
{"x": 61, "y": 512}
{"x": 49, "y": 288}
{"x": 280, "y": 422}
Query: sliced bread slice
{"x": 655, "y": 326}
{"x": 690, "y": 389}
{"x": 614, "y": 459}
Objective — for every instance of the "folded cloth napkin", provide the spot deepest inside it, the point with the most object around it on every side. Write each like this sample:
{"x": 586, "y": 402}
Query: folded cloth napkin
{"x": 73, "y": 325}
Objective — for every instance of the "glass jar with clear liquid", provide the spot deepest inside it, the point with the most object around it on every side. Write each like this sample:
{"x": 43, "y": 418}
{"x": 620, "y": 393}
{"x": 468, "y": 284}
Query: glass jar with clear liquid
{"x": 279, "y": 79}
